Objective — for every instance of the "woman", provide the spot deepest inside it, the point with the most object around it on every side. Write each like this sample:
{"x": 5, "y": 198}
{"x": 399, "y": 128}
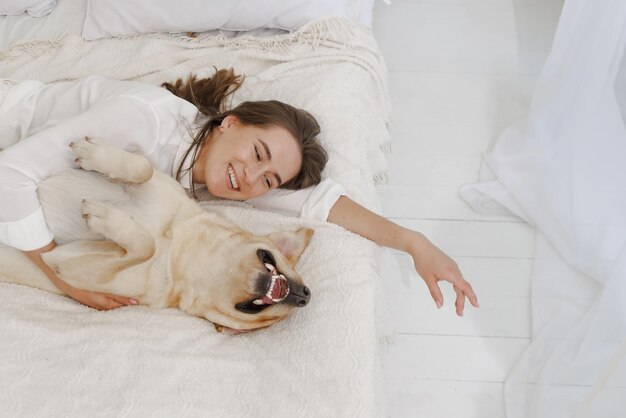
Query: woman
{"x": 246, "y": 153}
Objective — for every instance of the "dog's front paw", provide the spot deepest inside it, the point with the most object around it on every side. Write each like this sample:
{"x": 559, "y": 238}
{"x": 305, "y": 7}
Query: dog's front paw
{"x": 90, "y": 154}
{"x": 97, "y": 155}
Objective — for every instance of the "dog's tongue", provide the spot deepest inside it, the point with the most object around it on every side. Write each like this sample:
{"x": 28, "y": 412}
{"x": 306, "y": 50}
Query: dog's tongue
{"x": 279, "y": 289}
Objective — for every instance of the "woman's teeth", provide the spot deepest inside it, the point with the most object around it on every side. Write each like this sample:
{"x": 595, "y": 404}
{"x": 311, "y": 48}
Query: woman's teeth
{"x": 233, "y": 180}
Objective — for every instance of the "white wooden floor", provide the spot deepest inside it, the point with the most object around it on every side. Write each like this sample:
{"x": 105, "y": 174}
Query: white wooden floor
{"x": 459, "y": 72}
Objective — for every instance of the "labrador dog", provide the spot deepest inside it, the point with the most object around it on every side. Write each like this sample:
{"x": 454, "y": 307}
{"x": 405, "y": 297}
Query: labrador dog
{"x": 151, "y": 242}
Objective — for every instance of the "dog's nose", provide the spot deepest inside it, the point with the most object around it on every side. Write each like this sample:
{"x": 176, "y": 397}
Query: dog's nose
{"x": 306, "y": 293}
{"x": 299, "y": 295}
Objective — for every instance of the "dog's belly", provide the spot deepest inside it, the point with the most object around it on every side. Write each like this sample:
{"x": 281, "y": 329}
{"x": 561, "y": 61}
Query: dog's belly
{"x": 152, "y": 204}
{"x": 61, "y": 196}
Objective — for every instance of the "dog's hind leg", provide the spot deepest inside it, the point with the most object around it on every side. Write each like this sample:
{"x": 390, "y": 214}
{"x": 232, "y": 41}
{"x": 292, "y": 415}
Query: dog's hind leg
{"x": 119, "y": 227}
{"x": 17, "y": 268}
{"x": 96, "y": 155}
{"x": 98, "y": 262}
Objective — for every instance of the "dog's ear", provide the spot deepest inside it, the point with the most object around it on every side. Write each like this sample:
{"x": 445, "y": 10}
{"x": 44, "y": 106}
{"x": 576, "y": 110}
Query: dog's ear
{"x": 292, "y": 243}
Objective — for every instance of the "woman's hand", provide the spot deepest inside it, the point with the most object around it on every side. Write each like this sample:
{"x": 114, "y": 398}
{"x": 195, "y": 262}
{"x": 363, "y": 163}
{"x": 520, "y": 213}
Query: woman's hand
{"x": 430, "y": 262}
{"x": 434, "y": 265}
{"x": 96, "y": 300}
{"x": 100, "y": 301}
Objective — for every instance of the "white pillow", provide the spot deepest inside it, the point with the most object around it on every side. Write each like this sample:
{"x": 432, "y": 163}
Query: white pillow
{"x": 123, "y": 17}
{"x": 35, "y": 8}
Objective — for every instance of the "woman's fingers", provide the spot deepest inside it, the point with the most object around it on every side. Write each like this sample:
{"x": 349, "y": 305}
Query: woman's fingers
{"x": 460, "y": 302}
{"x": 465, "y": 287}
{"x": 109, "y": 304}
{"x": 122, "y": 300}
{"x": 469, "y": 292}
{"x": 100, "y": 301}
{"x": 435, "y": 292}
{"x": 463, "y": 290}
{"x": 461, "y": 287}
{"x": 114, "y": 301}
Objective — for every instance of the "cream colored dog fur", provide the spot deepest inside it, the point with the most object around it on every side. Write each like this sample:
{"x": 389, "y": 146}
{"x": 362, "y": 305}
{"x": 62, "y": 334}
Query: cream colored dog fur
{"x": 151, "y": 242}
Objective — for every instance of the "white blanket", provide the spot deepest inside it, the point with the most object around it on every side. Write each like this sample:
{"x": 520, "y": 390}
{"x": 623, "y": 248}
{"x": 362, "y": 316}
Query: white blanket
{"x": 59, "y": 358}
{"x": 564, "y": 171}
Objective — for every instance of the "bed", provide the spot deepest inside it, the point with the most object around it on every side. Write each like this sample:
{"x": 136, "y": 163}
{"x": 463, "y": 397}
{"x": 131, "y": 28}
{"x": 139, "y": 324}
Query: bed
{"x": 59, "y": 358}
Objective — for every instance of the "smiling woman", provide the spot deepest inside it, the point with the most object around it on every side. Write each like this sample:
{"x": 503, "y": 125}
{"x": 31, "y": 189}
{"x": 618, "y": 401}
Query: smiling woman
{"x": 232, "y": 152}
{"x": 247, "y": 153}
{"x": 236, "y": 162}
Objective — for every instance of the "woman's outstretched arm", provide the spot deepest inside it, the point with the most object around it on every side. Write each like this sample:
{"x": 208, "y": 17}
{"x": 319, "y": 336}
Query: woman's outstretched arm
{"x": 431, "y": 263}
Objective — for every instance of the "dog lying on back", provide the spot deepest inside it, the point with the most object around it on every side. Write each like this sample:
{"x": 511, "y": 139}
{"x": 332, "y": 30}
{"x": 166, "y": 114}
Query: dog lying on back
{"x": 160, "y": 247}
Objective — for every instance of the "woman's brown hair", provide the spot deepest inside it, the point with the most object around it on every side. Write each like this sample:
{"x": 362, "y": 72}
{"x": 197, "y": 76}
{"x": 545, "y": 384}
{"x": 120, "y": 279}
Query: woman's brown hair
{"x": 209, "y": 96}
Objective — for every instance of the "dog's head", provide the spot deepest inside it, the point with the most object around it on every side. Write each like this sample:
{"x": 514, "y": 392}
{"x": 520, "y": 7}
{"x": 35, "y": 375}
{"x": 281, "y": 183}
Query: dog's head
{"x": 237, "y": 280}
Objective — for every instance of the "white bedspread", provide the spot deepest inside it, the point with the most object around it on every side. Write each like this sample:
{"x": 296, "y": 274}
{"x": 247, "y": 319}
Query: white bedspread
{"x": 564, "y": 171}
{"x": 59, "y": 358}
{"x": 67, "y": 16}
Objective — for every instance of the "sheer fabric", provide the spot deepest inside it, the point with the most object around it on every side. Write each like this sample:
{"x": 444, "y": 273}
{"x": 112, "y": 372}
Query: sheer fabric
{"x": 563, "y": 169}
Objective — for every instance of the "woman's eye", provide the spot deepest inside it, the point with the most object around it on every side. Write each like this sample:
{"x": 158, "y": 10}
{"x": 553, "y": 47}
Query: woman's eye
{"x": 256, "y": 152}
{"x": 268, "y": 182}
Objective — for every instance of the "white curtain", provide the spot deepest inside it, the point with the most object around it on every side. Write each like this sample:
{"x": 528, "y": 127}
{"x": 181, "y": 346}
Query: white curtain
{"x": 563, "y": 169}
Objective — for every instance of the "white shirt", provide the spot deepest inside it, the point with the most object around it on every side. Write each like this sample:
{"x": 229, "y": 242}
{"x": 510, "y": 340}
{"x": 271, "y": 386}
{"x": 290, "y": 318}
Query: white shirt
{"x": 38, "y": 122}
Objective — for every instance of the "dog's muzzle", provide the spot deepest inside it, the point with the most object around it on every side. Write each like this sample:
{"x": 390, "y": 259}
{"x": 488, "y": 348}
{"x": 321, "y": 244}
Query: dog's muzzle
{"x": 282, "y": 289}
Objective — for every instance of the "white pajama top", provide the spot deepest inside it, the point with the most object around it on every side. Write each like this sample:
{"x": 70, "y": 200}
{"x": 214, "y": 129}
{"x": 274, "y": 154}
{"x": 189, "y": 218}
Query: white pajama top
{"x": 38, "y": 122}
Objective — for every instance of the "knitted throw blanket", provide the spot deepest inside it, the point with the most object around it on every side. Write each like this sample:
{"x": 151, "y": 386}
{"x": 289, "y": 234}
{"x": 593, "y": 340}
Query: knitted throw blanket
{"x": 59, "y": 358}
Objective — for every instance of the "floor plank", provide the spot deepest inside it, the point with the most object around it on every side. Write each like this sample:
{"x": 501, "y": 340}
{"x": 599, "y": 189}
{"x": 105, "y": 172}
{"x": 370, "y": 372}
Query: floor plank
{"x": 433, "y": 202}
{"x": 456, "y": 100}
{"x": 448, "y": 36}
{"x": 446, "y": 399}
{"x": 478, "y": 239}
{"x": 453, "y": 358}
{"x": 504, "y": 312}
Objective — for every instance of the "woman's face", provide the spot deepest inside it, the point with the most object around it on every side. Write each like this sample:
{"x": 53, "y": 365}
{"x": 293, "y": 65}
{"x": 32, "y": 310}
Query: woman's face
{"x": 240, "y": 161}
